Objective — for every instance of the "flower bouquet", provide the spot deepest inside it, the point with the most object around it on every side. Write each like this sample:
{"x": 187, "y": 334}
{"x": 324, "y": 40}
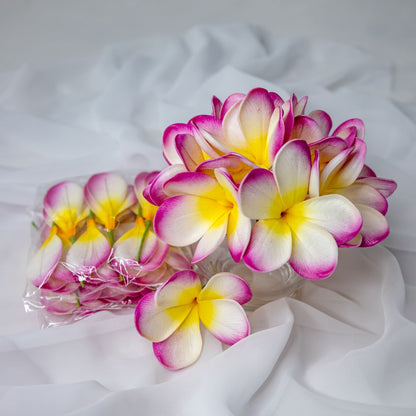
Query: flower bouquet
{"x": 281, "y": 188}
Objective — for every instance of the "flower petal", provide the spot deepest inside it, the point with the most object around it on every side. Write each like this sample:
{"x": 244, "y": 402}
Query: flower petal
{"x": 216, "y": 106}
{"x": 184, "y": 346}
{"x": 314, "y": 251}
{"x": 363, "y": 194}
{"x": 226, "y": 286}
{"x": 64, "y": 205}
{"x": 334, "y": 213}
{"x": 128, "y": 245}
{"x": 212, "y": 238}
{"x": 332, "y": 168}
{"x": 270, "y": 245}
{"x": 258, "y": 195}
{"x": 354, "y": 242}
{"x": 189, "y": 151}
{"x": 344, "y": 129}
{"x": 59, "y": 286}
{"x": 238, "y": 233}
{"x": 230, "y": 101}
{"x": 154, "y": 192}
{"x": 367, "y": 171}
{"x": 44, "y": 262}
{"x": 181, "y": 289}
{"x": 126, "y": 250}
{"x": 254, "y": 115}
{"x": 288, "y": 117}
{"x": 209, "y": 135}
{"x": 129, "y": 200}
{"x": 306, "y": 128}
{"x": 225, "y": 319}
{"x": 170, "y": 151}
{"x": 233, "y": 138}
{"x": 105, "y": 194}
{"x": 375, "y": 226}
{"x": 291, "y": 168}
{"x": 323, "y": 120}
{"x": 186, "y": 212}
{"x": 141, "y": 181}
{"x": 352, "y": 166}
{"x": 314, "y": 177}
{"x": 177, "y": 259}
{"x": 157, "y": 323}
{"x": 385, "y": 186}
{"x": 89, "y": 252}
{"x": 194, "y": 183}
{"x": 275, "y": 135}
{"x": 328, "y": 148}
{"x": 237, "y": 165}
{"x": 299, "y": 105}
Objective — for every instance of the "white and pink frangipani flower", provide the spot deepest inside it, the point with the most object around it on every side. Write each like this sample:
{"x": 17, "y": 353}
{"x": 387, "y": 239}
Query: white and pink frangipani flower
{"x": 204, "y": 209}
{"x": 64, "y": 206}
{"x": 170, "y": 317}
{"x": 253, "y": 127}
{"x": 138, "y": 251}
{"x": 291, "y": 226}
{"x": 88, "y": 253}
{"x": 108, "y": 196}
{"x": 341, "y": 175}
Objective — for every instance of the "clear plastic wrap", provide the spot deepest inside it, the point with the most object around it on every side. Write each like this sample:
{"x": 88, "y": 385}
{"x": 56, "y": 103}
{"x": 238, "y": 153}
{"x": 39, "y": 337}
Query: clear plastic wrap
{"x": 94, "y": 249}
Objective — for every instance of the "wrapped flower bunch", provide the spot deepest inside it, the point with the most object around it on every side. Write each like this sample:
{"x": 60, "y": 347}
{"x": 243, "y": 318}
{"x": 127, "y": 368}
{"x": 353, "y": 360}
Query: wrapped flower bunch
{"x": 280, "y": 186}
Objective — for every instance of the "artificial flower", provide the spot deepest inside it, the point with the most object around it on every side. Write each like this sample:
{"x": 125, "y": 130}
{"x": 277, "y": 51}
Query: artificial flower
{"x": 253, "y": 128}
{"x": 341, "y": 174}
{"x": 170, "y": 317}
{"x": 88, "y": 252}
{"x": 202, "y": 208}
{"x": 292, "y": 227}
{"x": 109, "y": 196}
{"x": 138, "y": 251}
{"x": 64, "y": 206}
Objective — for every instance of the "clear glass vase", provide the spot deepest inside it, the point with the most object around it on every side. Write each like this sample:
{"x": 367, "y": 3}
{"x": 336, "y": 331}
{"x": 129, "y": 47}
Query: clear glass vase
{"x": 265, "y": 287}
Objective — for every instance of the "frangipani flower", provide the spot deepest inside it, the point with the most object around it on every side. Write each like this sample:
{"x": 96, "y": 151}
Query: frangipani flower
{"x": 138, "y": 251}
{"x": 292, "y": 227}
{"x": 170, "y": 317}
{"x": 64, "y": 206}
{"x": 253, "y": 128}
{"x": 108, "y": 196}
{"x": 340, "y": 175}
{"x": 202, "y": 208}
{"x": 88, "y": 253}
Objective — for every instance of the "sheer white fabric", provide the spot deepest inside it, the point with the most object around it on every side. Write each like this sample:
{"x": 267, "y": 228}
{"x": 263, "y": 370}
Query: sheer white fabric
{"x": 344, "y": 346}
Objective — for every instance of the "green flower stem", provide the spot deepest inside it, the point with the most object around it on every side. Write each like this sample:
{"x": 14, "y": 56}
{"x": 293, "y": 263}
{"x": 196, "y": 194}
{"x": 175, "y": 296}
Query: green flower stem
{"x": 111, "y": 236}
{"x": 78, "y": 301}
{"x": 147, "y": 225}
{"x": 35, "y": 226}
{"x": 139, "y": 210}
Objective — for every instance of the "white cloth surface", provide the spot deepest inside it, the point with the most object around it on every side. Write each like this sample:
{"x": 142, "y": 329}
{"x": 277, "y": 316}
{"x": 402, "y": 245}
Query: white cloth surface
{"x": 344, "y": 346}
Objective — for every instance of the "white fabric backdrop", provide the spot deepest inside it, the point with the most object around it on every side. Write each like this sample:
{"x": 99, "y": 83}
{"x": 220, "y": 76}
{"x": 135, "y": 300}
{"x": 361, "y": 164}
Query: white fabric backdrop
{"x": 346, "y": 346}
